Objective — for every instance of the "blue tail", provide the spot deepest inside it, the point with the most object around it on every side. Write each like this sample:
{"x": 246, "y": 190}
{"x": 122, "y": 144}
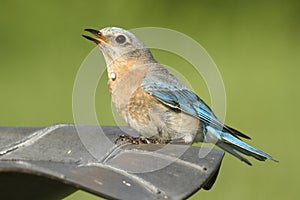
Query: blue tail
{"x": 234, "y": 146}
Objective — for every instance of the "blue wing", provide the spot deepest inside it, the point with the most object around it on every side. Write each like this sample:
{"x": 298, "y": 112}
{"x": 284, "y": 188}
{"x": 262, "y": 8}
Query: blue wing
{"x": 160, "y": 83}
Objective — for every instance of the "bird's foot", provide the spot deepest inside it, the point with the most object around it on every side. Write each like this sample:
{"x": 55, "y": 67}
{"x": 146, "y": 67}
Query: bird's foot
{"x": 137, "y": 140}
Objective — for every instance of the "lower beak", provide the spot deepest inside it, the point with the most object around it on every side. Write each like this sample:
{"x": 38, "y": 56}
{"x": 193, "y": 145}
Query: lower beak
{"x": 99, "y": 37}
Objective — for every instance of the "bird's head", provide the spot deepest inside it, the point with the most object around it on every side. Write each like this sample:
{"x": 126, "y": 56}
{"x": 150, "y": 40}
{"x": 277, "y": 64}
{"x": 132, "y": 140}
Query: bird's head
{"x": 116, "y": 42}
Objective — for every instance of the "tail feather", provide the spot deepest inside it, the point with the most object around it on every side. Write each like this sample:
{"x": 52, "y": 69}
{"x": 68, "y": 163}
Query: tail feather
{"x": 234, "y": 145}
{"x": 236, "y": 132}
{"x": 228, "y": 148}
{"x": 249, "y": 153}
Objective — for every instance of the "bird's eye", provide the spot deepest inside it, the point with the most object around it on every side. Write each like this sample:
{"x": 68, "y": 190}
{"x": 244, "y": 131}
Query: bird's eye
{"x": 120, "y": 39}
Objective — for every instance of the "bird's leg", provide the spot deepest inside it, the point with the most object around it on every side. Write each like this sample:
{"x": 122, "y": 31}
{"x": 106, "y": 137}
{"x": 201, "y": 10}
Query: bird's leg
{"x": 139, "y": 140}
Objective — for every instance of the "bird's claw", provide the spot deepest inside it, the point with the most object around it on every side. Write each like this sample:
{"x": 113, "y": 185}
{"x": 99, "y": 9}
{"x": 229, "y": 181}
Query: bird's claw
{"x": 136, "y": 140}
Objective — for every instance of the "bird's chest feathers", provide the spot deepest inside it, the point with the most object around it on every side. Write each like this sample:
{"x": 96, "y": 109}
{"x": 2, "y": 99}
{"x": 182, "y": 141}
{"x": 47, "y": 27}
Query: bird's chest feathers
{"x": 125, "y": 74}
{"x": 130, "y": 100}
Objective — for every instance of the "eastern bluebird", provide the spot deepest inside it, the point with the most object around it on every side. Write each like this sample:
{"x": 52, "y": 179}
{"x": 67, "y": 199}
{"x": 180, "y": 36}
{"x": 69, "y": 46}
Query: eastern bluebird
{"x": 155, "y": 103}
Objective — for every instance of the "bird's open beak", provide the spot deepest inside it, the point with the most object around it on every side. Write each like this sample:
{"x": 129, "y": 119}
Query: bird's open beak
{"x": 99, "y": 37}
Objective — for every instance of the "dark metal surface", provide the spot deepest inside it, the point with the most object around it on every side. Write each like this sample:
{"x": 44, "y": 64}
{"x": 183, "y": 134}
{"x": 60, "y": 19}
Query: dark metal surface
{"x": 51, "y": 162}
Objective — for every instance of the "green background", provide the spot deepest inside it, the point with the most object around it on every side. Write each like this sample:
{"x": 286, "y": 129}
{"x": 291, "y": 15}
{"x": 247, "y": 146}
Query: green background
{"x": 255, "y": 45}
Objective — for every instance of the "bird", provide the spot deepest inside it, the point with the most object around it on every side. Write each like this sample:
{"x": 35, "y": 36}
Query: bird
{"x": 156, "y": 103}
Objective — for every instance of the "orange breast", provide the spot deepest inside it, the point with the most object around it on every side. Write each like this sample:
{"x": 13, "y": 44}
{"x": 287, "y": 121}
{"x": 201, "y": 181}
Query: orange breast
{"x": 139, "y": 106}
{"x": 126, "y": 92}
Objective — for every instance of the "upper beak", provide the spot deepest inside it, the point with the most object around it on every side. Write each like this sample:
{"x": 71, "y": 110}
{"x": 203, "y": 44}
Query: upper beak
{"x": 99, "y": 37}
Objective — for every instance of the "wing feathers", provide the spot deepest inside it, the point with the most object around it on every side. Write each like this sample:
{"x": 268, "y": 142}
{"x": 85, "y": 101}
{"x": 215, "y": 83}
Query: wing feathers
{"x": 170, "y": 91}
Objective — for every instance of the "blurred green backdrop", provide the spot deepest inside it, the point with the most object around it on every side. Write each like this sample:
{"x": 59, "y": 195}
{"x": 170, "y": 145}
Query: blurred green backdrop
{"x": 255, "y": 44}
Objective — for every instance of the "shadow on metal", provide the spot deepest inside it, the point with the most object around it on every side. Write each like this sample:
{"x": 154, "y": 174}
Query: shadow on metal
{"x": 52, "y": 162}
